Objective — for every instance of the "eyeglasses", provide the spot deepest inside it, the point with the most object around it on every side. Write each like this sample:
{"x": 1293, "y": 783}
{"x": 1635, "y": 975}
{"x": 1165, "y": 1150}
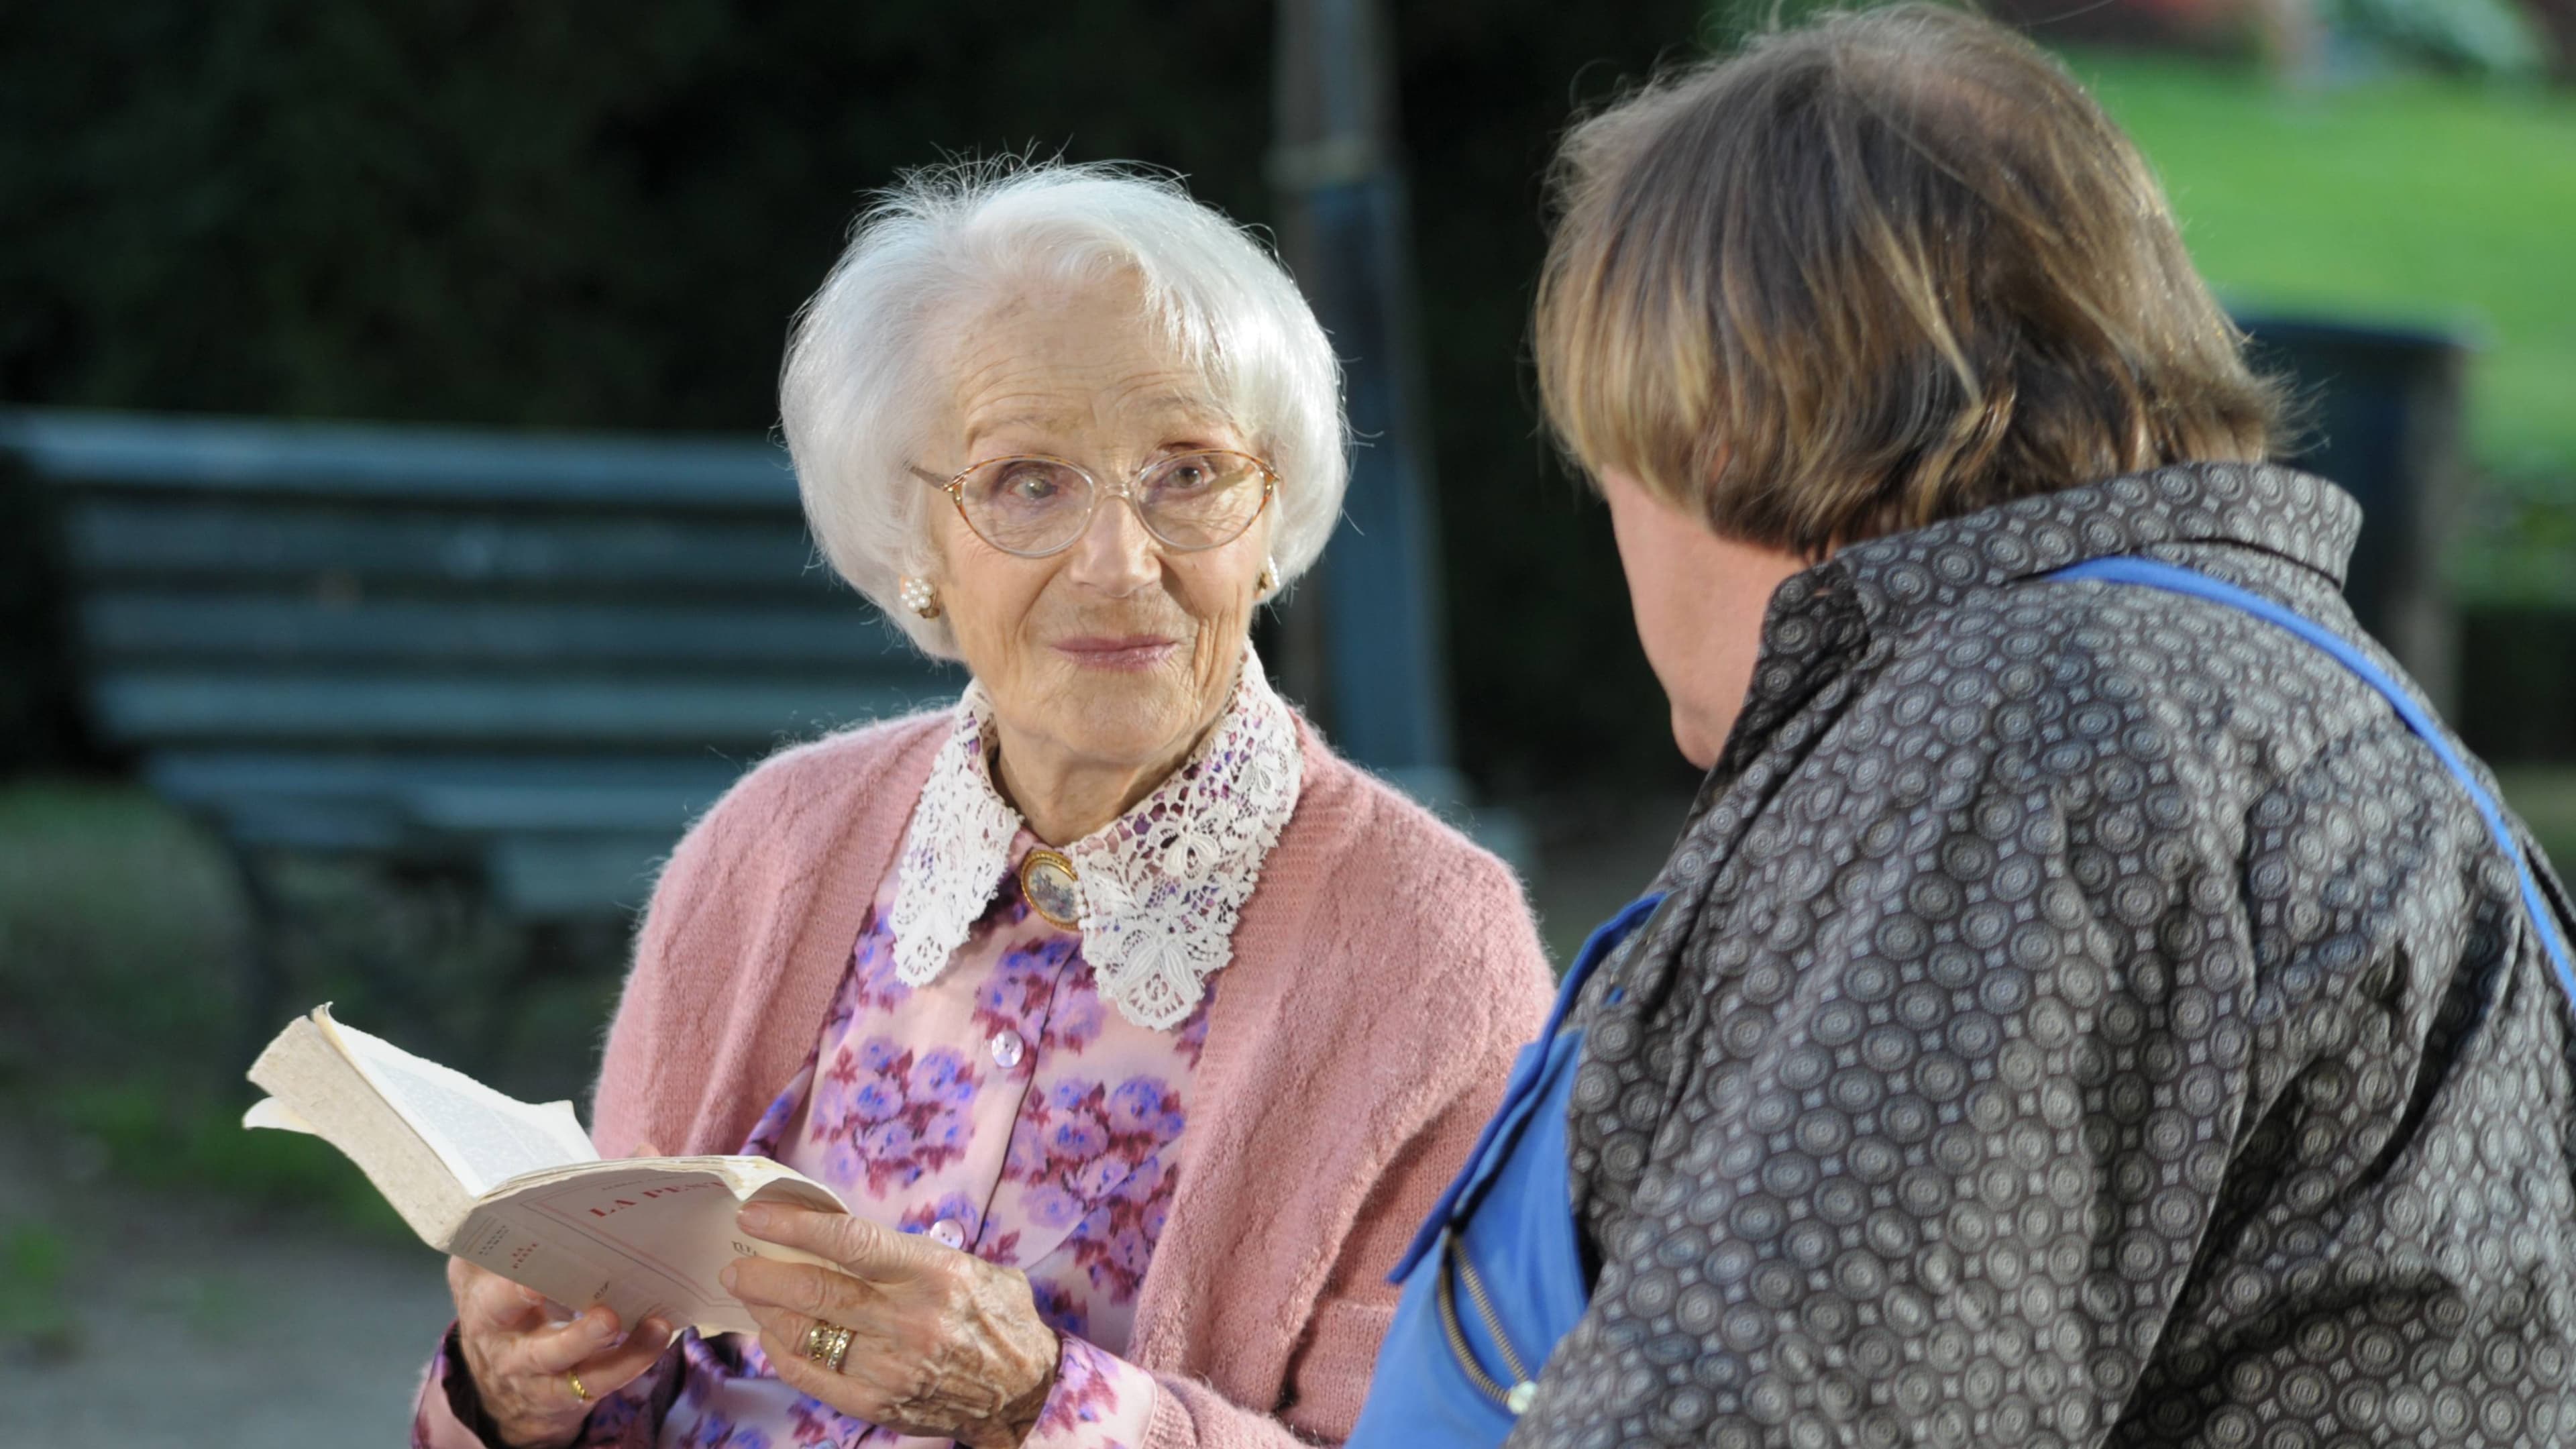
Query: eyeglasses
{"x": 1034, "y": 506}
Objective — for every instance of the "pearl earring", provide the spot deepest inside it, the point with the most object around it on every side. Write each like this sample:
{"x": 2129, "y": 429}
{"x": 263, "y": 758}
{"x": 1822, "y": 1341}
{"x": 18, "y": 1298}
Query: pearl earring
{"x": 1268, "y": 583}
{"x": 920, "y": 597}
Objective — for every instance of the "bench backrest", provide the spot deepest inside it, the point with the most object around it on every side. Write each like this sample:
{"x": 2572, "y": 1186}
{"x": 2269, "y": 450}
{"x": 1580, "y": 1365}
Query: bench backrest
{"x": 537, "y": 654}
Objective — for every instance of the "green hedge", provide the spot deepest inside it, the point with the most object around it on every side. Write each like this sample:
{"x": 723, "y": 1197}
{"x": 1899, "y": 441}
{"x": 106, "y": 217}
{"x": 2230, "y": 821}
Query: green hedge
{"x": 592, "y": 213}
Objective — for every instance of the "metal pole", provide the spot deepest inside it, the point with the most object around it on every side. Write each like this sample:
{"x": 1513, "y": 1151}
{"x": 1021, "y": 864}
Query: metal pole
{"x": 1373, "y": 606}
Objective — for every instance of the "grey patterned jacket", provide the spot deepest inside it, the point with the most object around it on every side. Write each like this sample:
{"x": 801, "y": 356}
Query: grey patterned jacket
{"x": 2084, "y": 1014}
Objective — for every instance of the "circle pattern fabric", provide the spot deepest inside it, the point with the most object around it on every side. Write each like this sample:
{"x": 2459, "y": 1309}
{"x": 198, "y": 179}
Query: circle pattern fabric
{"x": 2083, "y": 1015}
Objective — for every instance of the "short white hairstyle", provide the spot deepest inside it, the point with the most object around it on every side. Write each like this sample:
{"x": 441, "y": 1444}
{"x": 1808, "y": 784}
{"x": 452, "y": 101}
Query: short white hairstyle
{"x": 865, "y": 367}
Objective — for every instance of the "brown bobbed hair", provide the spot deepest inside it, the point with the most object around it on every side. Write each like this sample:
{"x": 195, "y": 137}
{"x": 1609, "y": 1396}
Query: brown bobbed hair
{"x": 1876, "y": 271}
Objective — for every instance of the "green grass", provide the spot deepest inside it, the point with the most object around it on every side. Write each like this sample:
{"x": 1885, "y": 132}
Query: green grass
{"x": 34, "y": 1311}
{"x": 120, "y": 935}
{"x": 159, "y": 1132}
{"x": 122, "y": 940}
{"x": 2546, "y": 801}
{"x": 2408, "y": 199}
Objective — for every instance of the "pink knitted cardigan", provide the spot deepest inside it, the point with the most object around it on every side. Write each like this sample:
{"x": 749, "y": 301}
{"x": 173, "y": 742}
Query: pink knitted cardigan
{"x": 1383, "y": 975}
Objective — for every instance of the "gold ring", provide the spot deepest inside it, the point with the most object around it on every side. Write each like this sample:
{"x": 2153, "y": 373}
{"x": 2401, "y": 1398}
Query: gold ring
{"x": 578, "y": 1391}
{"x": 827, "y": 1344}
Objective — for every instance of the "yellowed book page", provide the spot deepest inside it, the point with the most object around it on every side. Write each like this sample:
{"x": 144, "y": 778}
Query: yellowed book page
{"x": 484, "y": 1137}
{"x": 311, "y": 1081}
{"x": 272, "y": 1113}
{"x": 646, "y": 1237}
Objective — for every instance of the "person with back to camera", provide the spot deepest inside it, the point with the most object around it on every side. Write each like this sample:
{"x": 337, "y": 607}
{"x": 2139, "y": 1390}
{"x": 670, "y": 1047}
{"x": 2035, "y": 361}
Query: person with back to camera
{"x": 2092, "y": 1000}
{"x": 1134, "y": 1025}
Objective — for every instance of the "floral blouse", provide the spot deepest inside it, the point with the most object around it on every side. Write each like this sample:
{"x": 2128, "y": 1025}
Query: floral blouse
{"x": 1007, "y": 1085}
{"x": 1001, "y": 1109}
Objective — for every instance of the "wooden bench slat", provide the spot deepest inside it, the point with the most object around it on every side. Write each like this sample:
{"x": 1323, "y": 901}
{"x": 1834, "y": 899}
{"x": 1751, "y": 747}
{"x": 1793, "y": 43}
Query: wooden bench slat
{"x": 337, "y": 826}
{"x": 428, "y": 806}
{"x": 122, "y": 627}
{"x": 324, "y": 773}
{"x": 114, "y": 539}
{"x": 394, "y": 461}
{"x": 538, "y": 877}
{"x": 644, "y": 796}
{"x": 161, "y": 707}
{"x": 487, "y": 810}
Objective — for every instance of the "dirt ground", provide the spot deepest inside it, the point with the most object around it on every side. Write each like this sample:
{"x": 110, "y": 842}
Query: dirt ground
{"x": 203, "y": 1325}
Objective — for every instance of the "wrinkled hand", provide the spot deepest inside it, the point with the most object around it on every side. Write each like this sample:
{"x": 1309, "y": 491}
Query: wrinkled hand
{"x": 522, "y": 1358}
{"x": 522, "y": 1350}
{"x": 942, "y": 1343}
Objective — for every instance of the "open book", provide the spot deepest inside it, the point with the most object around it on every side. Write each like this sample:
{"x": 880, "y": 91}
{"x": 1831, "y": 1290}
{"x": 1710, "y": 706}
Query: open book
{"x": 518, "y": 1188}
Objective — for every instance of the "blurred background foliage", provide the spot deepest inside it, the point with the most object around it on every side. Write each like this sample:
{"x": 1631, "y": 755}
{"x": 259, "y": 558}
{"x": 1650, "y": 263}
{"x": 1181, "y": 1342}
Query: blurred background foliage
{"x": 2439, "y": 200}
{"x": 596, "y": 214}
{"x": 593, "y": 214}
{"x": 601, "y": 215}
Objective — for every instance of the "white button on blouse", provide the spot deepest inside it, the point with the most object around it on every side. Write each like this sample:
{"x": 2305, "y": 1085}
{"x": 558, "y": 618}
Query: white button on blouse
{"x": 1007, "y": 1048}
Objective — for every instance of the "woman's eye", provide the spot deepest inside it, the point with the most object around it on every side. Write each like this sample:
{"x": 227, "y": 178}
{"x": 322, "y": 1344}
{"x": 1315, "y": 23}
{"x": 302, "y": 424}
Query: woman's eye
{"x": 1031, "y": 485}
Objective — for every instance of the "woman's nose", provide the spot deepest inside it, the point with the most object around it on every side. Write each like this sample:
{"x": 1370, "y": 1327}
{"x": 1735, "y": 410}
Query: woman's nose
{"x": 1115, "y": 554}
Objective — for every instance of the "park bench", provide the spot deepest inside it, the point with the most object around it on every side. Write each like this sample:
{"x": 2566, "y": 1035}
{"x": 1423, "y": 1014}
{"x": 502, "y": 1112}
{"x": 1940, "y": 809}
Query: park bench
{"x": 528, "y": 658}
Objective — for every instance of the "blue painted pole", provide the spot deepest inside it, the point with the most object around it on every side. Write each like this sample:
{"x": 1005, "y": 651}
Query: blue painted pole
{"x": 1345, "y": 231}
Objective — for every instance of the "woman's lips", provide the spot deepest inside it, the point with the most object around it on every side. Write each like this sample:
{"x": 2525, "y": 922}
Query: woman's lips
{"x": 1128, "y": 652}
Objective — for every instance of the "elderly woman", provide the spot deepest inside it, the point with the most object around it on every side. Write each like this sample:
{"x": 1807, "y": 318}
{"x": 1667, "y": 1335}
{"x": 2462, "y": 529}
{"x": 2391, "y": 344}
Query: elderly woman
{"x": 1134, "y": 1026}
{"x": 2093, "y": 1002}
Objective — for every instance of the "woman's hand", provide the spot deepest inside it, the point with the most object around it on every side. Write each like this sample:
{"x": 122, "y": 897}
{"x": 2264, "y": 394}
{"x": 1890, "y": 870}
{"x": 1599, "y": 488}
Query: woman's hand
{"x": 942, "y": 1343}
{"x": 523, "y": 1356}
{"x": 523, "y": 1351}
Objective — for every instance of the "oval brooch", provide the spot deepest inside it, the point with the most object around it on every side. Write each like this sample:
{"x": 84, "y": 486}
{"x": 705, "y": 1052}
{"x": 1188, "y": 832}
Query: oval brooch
{"x": 1052, "y": 889}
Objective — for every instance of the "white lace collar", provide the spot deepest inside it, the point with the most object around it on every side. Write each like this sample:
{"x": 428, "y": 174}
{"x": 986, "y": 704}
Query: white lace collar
{"x": 1161, "y": 886}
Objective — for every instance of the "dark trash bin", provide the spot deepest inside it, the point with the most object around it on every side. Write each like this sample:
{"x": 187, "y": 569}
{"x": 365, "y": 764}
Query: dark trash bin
{"x": 2381, "y": 417}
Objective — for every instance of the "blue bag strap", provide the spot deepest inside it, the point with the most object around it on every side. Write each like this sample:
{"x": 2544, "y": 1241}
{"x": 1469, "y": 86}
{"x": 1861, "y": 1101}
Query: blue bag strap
{"x": 2174, "y": 578}
{"x": 1527, "y": 1075}
{"x": 1605, "y": 938}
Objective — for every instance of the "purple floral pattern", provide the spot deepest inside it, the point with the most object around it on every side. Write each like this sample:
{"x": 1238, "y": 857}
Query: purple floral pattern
{"x": 1088, "y": 1158}
{"x": 1086, "y": 1398}
{"x": 872, "y": 986}
{"x": 1002, "y": 1106}
{"x": 886, "y": 1114}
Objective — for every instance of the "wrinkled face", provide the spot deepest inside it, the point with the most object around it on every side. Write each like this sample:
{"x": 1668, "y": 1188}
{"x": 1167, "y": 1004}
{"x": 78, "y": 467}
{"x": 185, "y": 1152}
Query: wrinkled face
{"x": 1116, "y": 651}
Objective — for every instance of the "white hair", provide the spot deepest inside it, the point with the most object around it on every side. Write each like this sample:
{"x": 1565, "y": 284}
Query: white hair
{"x": 862, "y": 378}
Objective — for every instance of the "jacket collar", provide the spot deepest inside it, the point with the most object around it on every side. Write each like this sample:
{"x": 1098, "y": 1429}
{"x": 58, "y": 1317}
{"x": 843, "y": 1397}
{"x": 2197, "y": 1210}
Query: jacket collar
{"x": 1822, "y": 621}
{"x": 2277, "y": 510}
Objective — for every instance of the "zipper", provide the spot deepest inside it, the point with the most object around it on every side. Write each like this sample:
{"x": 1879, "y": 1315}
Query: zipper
{"x": 1516, "y": 1399}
